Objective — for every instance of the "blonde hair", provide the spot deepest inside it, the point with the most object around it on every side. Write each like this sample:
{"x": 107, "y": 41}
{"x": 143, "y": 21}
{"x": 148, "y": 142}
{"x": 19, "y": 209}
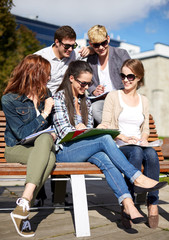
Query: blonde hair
{"x": 97, "y": 34}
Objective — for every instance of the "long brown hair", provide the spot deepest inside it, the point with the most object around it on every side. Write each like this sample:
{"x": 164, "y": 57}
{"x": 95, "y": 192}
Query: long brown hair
{"x": 30, "y": 77}
{"x": 75, "y": 69}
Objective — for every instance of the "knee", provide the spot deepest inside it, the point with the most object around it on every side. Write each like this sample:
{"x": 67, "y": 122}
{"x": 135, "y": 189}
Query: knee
{"x": 137, "y": 151}
{"x": 44, "y": 139}
{"x": 101, "y": 160}
{"x": 151, "y": 155}
{"x": 108, "y": 139}
{"x": 136, "y": 155}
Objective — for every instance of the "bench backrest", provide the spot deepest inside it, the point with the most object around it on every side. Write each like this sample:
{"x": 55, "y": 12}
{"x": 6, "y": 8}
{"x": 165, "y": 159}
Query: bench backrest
{"x": 153, "y": 136}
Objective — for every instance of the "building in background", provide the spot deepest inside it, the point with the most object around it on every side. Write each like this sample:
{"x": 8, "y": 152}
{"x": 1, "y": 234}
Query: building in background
{"x": 156, "y": 84}
{"x": 156, "y": 64}
{"x": 44, "y": 31}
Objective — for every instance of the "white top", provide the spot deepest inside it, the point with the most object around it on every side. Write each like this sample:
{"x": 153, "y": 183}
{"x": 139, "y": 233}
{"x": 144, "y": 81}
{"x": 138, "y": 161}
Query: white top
{"x": 131, "y": 118}
{"x": 104, "y": 78}
{"x": 58, "y": 66}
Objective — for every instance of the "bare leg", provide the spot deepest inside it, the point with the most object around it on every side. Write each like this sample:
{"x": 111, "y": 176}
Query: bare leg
{"x": 28, "y": 191}
{"x": 143, "y": 181}
{"x": 130, "y": 209}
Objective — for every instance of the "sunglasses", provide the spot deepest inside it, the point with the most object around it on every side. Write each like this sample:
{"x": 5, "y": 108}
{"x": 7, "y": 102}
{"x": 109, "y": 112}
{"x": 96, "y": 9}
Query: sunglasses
{"x": 103, "y": 44}
{"x": 130, "y": 77}
{"x": 67, "y": 46}
{"x": 83, "y": 84}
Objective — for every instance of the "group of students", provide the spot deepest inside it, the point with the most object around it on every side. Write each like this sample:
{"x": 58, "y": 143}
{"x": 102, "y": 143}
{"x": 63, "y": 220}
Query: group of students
{"x": 29, "y": 107}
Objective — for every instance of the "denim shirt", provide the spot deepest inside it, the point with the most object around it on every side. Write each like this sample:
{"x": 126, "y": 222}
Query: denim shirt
{"x": 21, "y": 118}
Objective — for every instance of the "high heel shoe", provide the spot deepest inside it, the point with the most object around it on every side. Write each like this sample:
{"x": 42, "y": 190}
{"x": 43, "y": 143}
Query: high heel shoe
{"x": 137, "y": 220}
{"x": 127, "y": 224}
{"x": 158, "y": 186}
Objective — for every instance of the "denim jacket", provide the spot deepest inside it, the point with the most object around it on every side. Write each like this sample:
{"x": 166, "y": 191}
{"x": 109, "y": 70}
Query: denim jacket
{"x": 21, "y": 118}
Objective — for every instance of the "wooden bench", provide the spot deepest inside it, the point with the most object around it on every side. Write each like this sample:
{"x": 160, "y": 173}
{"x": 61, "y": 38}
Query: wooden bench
{"x": 77, "y": 172}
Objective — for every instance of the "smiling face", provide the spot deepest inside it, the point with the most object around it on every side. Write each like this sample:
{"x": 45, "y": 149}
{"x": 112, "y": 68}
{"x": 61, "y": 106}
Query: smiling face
{"x": 101, "y": 48}
{"x": 129, "y": 83}
{"x": 81, "y": 83}
{"x": 60, "y": 49}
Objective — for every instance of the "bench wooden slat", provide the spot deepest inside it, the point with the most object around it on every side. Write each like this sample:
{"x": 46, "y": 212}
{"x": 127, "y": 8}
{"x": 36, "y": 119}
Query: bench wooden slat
{"x": 68, "y": 168}
{"x": 60, "y": 169}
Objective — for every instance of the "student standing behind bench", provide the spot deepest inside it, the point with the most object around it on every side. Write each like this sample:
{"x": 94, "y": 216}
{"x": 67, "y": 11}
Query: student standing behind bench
{"x": 73, "y": 111}
{"x": 60, "y": 54}
{"x": 106, "y": 64}
{"x": 128, "y": 111}
{"x": 27, "y": 105}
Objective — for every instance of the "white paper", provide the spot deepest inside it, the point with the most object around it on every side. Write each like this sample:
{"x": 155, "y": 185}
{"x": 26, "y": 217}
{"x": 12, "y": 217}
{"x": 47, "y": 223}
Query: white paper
{"x": 156, "y": 143}
{"x": 31, "y": 138}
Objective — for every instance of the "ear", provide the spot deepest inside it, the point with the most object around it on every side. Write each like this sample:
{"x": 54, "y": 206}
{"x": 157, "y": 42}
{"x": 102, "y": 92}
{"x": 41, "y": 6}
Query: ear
{"x": 71, "y": 78}
{"x": 90, "y": 43}
{"x": 56, "y": 42}
{"x": 108, "y": 38}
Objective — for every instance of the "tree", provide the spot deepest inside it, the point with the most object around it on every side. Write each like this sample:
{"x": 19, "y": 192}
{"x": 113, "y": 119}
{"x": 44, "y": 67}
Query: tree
{"x": 15, "y": 44}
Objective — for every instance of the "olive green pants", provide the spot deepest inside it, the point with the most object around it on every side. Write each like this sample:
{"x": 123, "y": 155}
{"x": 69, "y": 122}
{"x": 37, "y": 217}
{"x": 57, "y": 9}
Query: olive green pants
{"x": 39, "y": 158}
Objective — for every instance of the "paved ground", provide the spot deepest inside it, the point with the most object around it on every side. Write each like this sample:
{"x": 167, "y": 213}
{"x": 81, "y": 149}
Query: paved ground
{"x": 104, "y": 214}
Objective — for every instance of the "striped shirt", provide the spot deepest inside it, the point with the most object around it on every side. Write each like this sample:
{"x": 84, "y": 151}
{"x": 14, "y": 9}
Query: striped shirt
{"x": 61, "y": 118}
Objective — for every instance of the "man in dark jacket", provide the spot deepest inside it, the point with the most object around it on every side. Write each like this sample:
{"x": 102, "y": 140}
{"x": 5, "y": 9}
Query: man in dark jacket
{"x": 106, "y": 64}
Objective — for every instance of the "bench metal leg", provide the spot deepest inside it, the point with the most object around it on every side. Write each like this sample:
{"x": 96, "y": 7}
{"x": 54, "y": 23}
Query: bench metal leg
{"x": 80, "y": 206}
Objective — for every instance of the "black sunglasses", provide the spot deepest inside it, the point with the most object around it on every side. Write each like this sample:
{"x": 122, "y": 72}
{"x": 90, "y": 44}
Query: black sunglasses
{"x": 67, "y": 46}
{"x": 97, "y": 45}
{"x": 130, "y": 77}
{"x": 83, "y": 84}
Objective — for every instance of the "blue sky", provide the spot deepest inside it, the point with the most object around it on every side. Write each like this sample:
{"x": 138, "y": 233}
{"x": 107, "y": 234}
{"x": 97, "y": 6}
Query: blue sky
{"x": 139, "y": 22}
{"x": 147, "y": 31}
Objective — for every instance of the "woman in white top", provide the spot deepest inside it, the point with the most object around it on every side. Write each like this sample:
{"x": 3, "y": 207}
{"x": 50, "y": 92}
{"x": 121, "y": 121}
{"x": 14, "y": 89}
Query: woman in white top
{"x": 128, "y": 111}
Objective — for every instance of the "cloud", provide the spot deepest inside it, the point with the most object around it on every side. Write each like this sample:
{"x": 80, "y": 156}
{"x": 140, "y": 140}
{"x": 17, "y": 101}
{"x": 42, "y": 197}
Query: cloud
{"x": 85, "y": 13}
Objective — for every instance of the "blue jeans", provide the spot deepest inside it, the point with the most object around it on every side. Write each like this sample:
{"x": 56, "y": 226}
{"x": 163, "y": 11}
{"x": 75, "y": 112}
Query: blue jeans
{"x": 137, "y": 156}
{"x": 102, "y": 151}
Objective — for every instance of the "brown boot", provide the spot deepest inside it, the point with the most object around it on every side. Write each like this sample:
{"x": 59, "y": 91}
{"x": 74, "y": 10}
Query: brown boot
{"x": 153, "y": 220}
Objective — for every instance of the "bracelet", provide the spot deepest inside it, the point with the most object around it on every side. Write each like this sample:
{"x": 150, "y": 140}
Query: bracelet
{"x": 46, "y": 113}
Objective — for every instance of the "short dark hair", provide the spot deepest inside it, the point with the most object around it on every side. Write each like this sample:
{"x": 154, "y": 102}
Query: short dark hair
{"x": 64, "y": 32}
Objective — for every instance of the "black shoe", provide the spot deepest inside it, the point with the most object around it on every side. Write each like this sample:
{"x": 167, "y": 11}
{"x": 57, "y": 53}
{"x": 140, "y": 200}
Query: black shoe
{"x": 156, "y": 187}
{"x": 125, "y": 222}
{"x": 137, "y": 220}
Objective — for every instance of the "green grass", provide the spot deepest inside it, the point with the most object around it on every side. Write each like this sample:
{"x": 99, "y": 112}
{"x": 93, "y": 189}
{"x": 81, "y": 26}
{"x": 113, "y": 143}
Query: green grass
{"x": 162, "y": 179}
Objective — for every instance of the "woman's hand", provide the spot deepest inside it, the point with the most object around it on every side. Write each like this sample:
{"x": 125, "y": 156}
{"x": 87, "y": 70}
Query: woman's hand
{"x": 49, "y": 103}
{"x": 80, "y": 126}
{"x": 130, "y": 140}
{"x": 143, "y": 142}
{"x": 133, "y": 140}
{"x": 53, "y": 136}
{"x": 102, "y": 126}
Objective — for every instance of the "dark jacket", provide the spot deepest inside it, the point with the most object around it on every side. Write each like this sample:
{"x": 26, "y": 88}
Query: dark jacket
{"x": 116, "y": 58}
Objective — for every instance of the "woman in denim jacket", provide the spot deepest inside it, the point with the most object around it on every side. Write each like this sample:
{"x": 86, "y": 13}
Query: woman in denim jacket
{"x": 27, "y": 105}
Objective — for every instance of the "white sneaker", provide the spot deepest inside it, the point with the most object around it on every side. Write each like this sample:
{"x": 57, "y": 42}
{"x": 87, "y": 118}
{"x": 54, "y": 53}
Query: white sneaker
{"x": 20, "y": 218}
